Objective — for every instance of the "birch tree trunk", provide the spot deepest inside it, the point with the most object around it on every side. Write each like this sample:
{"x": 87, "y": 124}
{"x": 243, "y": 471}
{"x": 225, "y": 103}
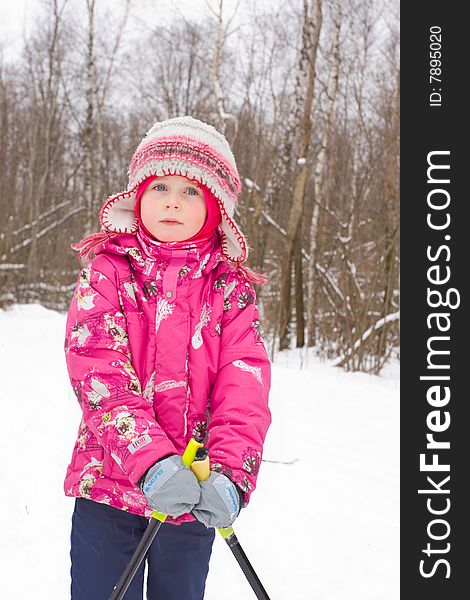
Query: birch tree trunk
{"x": 224, "y": 116}
{"x": 320, "y": 170}
{"x": 302, "y": 119}
{"x": 101, "y": 183}
{"x": 89, "y": 121}
{"x": 299, "y": 294}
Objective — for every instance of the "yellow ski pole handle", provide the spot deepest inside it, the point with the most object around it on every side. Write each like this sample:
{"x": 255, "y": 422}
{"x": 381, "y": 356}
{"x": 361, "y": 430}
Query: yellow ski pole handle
{"x": 188, "y": 457}
{"x": 200, "y": 465}
{"x": 191, "y": 450}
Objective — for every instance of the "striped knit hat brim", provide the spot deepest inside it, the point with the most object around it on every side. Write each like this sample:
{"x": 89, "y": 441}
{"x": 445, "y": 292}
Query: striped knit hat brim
{"x": 187, "y": 147}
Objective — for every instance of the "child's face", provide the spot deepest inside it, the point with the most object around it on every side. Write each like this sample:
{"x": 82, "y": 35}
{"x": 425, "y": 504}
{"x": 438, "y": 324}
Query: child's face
{"x": 173, "y": 208}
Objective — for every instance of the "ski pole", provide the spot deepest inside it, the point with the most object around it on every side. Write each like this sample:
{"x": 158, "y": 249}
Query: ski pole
{"x": 200, "y": 467}
{"x": 232, "y": 542}
{"x": 149, "y": 535}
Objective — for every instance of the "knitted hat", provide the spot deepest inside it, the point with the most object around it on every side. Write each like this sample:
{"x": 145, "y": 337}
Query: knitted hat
{"x": 188, "y": 147}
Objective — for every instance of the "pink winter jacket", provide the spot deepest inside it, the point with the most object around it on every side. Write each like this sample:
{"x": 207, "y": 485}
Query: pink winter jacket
{"x": 162, "y": 344}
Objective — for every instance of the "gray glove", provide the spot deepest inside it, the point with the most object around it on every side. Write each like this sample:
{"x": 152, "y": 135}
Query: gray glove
{"x": 220, "y": 501}
{"x": 170, "y": 487}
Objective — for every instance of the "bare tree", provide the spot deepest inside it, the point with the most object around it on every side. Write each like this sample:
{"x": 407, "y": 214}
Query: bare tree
{"x": 302, "y": 124}
{"x": 220, "y": 101}
{"x": 89, "y": 128}
{"x": 319, "y": 176}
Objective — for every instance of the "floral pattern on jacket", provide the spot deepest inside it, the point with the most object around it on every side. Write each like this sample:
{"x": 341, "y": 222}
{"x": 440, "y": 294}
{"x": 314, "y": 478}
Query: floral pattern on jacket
{"x": 162, "y": 343}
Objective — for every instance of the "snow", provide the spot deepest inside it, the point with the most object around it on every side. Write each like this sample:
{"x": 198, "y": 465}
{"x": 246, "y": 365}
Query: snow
{"x": 322, "y": 524}
{"x": 251, "y": 184}
{"x": 11, "y": 266}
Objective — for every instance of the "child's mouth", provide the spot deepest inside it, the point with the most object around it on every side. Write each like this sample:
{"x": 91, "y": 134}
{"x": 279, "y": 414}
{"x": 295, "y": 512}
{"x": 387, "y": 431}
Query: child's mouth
{"x": 171, "y": 222}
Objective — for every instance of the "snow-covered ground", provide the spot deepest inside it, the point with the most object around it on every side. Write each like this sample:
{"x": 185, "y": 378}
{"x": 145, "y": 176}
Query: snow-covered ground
{"x": 323, "y": 523}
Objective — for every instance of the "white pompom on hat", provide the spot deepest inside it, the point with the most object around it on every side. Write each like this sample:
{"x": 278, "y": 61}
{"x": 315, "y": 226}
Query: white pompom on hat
{"x": 188, "y": 147}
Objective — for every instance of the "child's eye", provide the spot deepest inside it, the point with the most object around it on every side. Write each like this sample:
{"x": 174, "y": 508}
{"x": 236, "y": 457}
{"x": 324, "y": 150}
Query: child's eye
{"x": 159, "y": 186}
{"x": 191, "y": 190}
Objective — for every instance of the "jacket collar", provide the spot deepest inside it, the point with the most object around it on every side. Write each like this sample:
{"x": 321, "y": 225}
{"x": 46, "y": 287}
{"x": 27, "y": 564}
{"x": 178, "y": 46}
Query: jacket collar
{"x": 149, "y": 256}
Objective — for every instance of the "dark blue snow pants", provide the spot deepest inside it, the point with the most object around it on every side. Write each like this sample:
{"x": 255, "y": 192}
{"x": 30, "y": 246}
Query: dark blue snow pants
{"x": 103, "y": 540}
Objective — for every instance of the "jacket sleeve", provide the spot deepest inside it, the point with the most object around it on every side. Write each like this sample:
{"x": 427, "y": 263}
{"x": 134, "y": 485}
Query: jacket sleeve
{"x": 100, "y": 367}
{"x": 240, "y": 416}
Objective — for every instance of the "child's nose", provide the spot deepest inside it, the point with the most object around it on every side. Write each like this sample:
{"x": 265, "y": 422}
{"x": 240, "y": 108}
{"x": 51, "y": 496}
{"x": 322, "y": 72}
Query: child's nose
{"x": 173, "y": 202}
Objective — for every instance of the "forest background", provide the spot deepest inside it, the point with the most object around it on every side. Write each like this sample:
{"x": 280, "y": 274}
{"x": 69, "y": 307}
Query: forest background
{"x": 307, "y": 94}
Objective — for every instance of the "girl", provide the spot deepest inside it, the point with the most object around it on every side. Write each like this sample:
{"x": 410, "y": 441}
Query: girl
{"x": 163, "y": 344}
